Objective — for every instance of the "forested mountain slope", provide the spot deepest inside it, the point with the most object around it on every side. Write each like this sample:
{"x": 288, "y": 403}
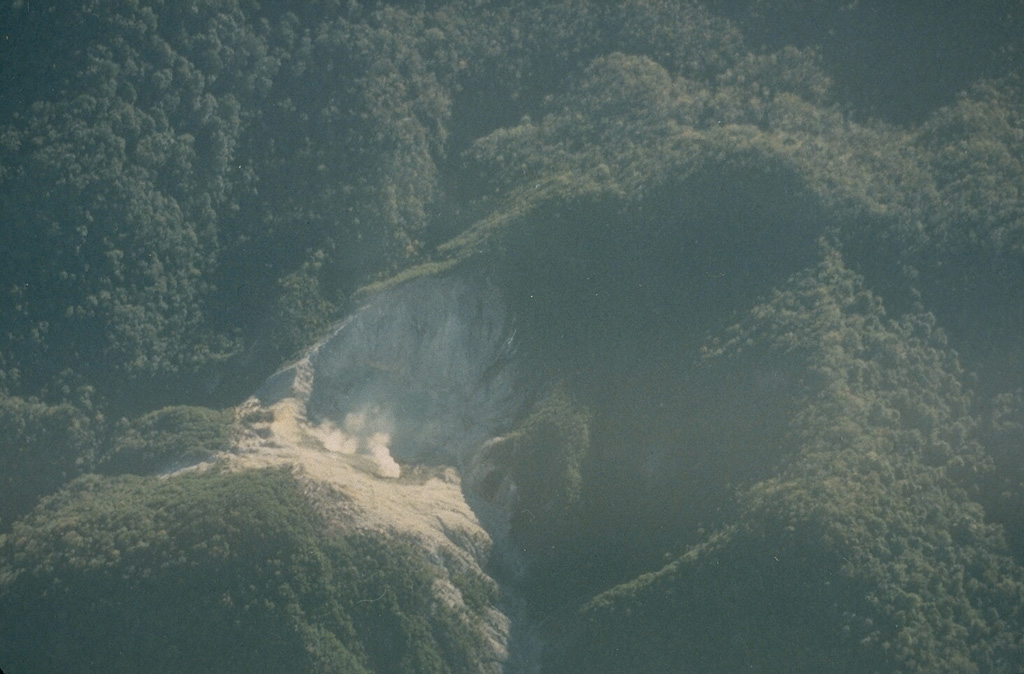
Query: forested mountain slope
{"x": 701, "y": 325}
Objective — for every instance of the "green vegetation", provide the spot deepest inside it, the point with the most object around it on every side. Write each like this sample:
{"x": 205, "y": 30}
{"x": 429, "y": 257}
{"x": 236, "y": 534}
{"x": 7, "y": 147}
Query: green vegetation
{"x": 189, "y": 165}
{"x": 547, "y": 453}
{"x": 864, "y": 553}
{"x": 740, "y": 457}
{"x": 202, "y": 186}
{"x": 168, "y": 439}
{"x": 219, "y": 572}
{"x": 42, "y": 447}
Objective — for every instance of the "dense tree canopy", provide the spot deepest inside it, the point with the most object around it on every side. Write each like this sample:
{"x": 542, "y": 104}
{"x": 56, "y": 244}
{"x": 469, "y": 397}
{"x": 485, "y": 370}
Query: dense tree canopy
{"x": 764, "y": 261}
{"x": 127, "y": 574}
{"x": 864, "y": 552}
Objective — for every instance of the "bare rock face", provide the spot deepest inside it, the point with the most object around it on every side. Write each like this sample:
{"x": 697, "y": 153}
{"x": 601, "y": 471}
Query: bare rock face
{"x": 382, "y": 418}
{"x": 425, "y": 373}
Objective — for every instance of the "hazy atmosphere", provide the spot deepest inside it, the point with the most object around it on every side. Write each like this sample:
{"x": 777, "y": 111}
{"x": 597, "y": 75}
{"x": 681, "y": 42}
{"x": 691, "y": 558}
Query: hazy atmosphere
{"x": 541, "y": 337}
